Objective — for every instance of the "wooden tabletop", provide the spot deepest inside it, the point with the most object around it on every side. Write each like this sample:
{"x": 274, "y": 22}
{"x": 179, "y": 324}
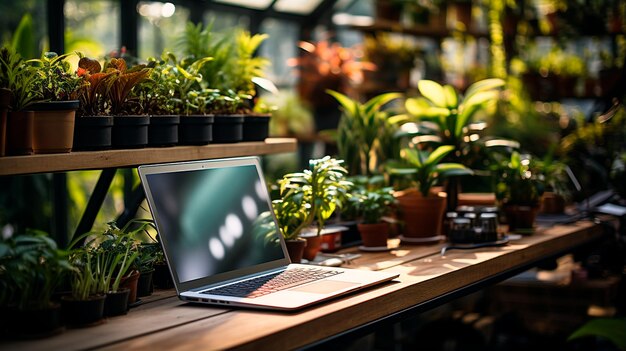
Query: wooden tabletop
{"x": 164, "y": 322}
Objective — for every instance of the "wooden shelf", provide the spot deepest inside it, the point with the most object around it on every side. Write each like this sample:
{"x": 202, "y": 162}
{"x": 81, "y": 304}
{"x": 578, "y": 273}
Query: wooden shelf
{"x": 86, "y": 160}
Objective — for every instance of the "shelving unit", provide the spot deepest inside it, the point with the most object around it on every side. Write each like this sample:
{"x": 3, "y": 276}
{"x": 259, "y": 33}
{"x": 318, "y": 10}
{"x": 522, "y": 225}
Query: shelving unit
{"x": 88, "y": 160}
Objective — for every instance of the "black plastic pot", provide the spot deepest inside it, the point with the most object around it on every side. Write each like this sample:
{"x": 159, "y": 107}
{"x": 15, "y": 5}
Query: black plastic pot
{"x": 256, "y": 127}
{"x": 144, "y": 285}
{"x": 116, "y": 303}
{"x": 195, "y": 130}
{"x": 93, "y": 133}
{"x": 79, "y": 313}
{"x": 130, "y": 132}
{"x": 228, "y": 129}
{"x": 37, "y": 323}
{"x": 163, "y": 130}
{"x": 161, "y": 277}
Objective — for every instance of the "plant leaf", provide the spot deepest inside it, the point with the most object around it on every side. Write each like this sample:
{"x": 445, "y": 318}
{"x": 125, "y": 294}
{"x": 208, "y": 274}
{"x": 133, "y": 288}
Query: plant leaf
{"x": 439, "y": 153}
{"x": 433, "y": 91}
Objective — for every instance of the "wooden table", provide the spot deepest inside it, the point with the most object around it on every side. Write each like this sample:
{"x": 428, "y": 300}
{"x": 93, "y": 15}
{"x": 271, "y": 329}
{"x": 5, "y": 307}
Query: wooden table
{"x": 426, "y": 280}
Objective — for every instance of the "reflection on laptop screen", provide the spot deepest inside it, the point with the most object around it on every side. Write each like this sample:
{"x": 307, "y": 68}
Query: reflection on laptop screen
{"x": 210, "y": 219}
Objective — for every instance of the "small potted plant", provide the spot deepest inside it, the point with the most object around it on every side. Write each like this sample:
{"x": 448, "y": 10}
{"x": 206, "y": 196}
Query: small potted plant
{"x": 31, "y": 266}
{"x": 359, "y": 132}
{"x": 421, "y": 211}
{"x": 373, "y": 205}
{"x": 19, "y": 79}
{"x": 129, "y": 131}
{"x": 556, "y": 192}
{"x": 309, "y": 198}
{"x": 94, "y": 123}
{"x": 58, "y": 88}
{"x": 519, "y": 186}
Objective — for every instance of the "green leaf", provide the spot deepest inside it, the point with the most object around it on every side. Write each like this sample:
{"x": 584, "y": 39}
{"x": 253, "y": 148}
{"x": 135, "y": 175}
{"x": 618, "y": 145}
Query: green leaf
{"x": 483, "y": 85}
{"x": 433, "y": 91}
{"x": 438, "y": 154}
{"x": 452, "y": 99}
{"x": 613, "y": 329}
{"x": 452, "y": 169}
{"x": 350, "y": 106}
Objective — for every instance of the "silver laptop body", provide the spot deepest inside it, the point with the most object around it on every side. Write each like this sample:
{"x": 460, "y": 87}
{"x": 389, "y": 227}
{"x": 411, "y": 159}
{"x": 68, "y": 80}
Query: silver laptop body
{"x": 217, "y": 228}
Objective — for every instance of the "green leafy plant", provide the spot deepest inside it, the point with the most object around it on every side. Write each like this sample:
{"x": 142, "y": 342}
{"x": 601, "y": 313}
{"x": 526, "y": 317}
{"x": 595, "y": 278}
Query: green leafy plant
{"x": 121, "y": 82}
{"x": 519, "y": 181}
{"x": 450, "y": 113}
{"x": 310, "y": 196}
{"x": 55, "y": 79}
{"x": 361, "y": 130}
{"x": 31, "y": 267}
{"x": 426, "y": 168}
{"x": 19, "y": 78}
{"x": 374, "y": 204}
{"x": 246, "y": 66}
{"x": 156, "y": 94}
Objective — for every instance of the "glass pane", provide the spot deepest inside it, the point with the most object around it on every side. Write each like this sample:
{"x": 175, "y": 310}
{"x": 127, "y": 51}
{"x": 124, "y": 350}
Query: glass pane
{"x": 225, "y": 21}
{"x": 92, "y": 27}
{"x": 281, "y": 45}
{"x": 160, "y": 25}
{"x": 303, "y": 7}
{"x": 33, "y": 34}
{"x": 252, "y": 4}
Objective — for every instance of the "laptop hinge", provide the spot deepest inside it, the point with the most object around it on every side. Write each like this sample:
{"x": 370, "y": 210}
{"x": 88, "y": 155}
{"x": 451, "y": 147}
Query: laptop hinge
{"x": 238, "y": 279}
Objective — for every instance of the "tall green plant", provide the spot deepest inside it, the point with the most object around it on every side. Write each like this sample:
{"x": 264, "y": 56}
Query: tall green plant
{"x": 55, "y": 79}
{"x": 361, "y": 131}
{"x": 19, "y": 78}
{"x": 426, "y": 168}
{"x": 519, "y": 181}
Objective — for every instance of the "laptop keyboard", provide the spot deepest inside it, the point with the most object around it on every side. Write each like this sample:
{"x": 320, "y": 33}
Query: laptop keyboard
{"x": 270, "y": 283}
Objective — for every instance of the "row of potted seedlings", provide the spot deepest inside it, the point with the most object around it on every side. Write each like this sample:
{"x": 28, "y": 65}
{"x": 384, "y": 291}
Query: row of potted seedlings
{"x": 48, "y": 108}
{"x": 102, "y": 274}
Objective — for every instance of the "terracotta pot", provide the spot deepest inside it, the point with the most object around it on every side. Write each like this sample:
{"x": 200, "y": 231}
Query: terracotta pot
{"x": 331, "y": 242}
{"x": 93, "y": 132}
{"x": 312, "y": 247}
{"x": 5, "y": 102}
{"x": 130, "y": 282}
{"x": 295, "y": 249}
{"x": 53, "y": 126}
{"x": 83, "y": 312}
{"x": 422, "y": 216}
{"x": 552, "y": 203}
{"x": 521, "y": 219}
{"x": 19, "y": 133}
{"x": 374, "y": 235}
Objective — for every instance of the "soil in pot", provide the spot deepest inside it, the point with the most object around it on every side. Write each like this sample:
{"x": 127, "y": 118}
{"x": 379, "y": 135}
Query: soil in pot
{"x": 116, "y": 303}
{"x": 19, "y": 133}
{"x": 228, "y": 128}
{"x": 195, "y": 130}
{"x": 130, "y": 131}
{"x": 35, "y": 323}
{"x": 163, "y": 130}
{"x": 374, "y": 235}
{"x": 256, "y": 127}
{"x": 93, "y": 132}
{"x": 144, "y": 284}
{"x": 130, "y": 282}
{"x": 295, "y": 249}
{"x": 83, "y": 313}
{"x": 53, "y": 126}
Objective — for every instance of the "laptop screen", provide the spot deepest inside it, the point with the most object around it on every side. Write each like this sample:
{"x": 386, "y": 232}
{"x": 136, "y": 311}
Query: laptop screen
{"x": 213, "y": 220}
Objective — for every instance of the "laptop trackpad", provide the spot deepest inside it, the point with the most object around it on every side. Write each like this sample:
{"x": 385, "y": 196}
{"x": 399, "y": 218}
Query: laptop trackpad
{"x": 325, "y": 287}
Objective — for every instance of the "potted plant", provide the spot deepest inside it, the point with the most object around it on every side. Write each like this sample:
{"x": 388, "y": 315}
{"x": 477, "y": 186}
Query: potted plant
{"x": 310, "y": 198}
{"x": 421, "y": 211}
{"x": 31, "y": 266}
{"x": 444, "y": 117}
{"x": 373, "y": 205}
{"x": 156, "y": 99}
{"x": 359, "y": 132}
{"x": 94, "y": 123}
{"x": 519, "y": 187}
{"x": 20, "y": 79}
{"x": 556, "y": 179}
{"x": 129, "y": 131}
{"x": 5, "y": 103}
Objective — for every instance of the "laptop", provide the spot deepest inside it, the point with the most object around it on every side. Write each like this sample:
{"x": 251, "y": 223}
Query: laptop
{"x": 223, "y": 244}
